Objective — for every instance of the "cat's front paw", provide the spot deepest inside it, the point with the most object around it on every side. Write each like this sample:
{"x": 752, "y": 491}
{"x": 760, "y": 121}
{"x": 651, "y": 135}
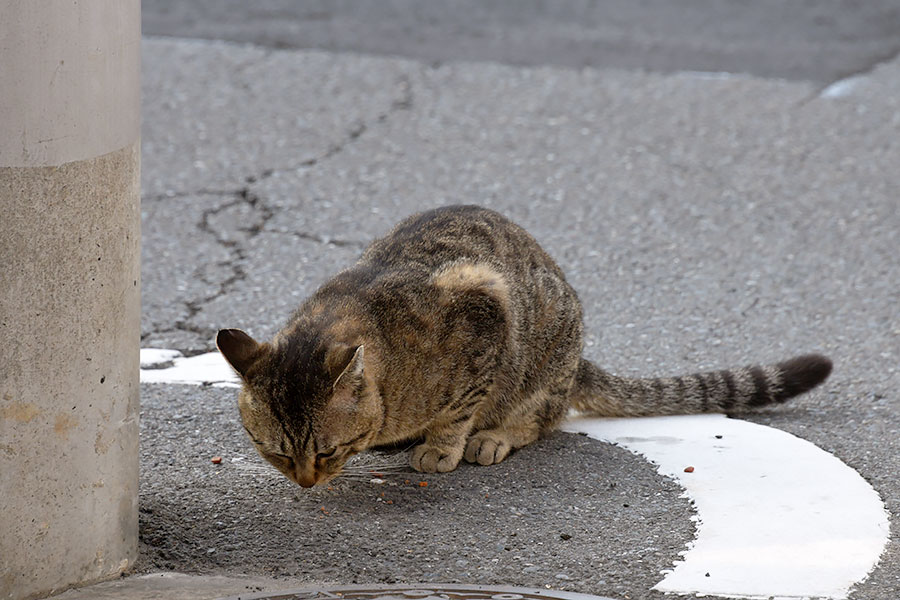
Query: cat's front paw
{"x": 431, "y": 459}
{"x": 487, "y": 448}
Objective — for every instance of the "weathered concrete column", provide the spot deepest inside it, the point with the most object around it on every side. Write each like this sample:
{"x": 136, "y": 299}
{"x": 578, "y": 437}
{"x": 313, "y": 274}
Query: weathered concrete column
{"x": 69, "y": 291}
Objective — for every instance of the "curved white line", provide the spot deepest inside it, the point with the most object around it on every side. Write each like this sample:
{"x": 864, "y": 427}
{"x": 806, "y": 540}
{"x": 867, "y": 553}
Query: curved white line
{"x": 778, "y": 516}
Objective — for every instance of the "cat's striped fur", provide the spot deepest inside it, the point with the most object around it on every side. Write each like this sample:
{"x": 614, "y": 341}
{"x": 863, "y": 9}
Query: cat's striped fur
{"x": 730, "y": 390}
{"x": 458, "y": 330}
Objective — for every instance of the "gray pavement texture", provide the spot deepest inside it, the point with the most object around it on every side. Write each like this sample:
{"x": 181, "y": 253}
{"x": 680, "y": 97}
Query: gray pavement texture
{"x": 706, "y": 222}
{"x": 175, "y": 586}
{"x": 818, "y": 41}
{"x": 591, "y": 525}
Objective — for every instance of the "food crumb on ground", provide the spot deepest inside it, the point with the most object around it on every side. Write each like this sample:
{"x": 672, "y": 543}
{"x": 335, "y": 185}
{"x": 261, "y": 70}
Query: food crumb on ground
{"x": 216, "y": 460}
{"x": 689, "y": 469}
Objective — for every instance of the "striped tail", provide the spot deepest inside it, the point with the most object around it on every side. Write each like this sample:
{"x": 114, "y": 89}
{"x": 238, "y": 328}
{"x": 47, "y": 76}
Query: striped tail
{"x": 733, "y": 390}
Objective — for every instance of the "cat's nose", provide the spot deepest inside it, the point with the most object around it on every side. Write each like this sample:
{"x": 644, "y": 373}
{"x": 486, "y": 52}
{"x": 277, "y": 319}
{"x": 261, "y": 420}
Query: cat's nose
{"x": 306, "y": 477}
{"x": 306, "y": 481}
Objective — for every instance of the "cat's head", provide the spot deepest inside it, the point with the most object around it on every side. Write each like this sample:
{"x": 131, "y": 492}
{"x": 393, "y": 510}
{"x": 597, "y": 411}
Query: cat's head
{"x": 307, "y": 404}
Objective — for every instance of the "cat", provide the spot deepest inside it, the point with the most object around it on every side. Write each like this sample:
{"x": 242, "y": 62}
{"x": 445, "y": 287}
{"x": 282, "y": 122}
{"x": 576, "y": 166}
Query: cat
{"x": 458, "y": 331}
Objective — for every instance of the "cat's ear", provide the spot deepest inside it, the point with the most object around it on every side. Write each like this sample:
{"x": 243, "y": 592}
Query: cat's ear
{"x": 348, "y": 385}
{"x": 351, "y": 375}
{"x": 239, "y": 349}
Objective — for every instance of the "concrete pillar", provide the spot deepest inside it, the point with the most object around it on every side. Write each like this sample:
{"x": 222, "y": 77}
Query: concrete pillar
{"x": 69, "y": 291}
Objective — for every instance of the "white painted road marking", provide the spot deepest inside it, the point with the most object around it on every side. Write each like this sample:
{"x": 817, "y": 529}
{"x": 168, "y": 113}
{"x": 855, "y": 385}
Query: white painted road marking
{"x": 778, "y": 516}
{"x": 203, "y": 369}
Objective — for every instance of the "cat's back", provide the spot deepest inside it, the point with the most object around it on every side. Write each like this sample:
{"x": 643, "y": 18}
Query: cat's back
{"x": 436, "y": 254}
{"x": 453, "y": 264}
{"x": 467, "y": 233}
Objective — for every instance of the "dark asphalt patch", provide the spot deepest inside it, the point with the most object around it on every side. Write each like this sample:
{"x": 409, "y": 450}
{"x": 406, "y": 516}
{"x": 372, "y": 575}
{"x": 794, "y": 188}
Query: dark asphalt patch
{"x": 568, "y": 511}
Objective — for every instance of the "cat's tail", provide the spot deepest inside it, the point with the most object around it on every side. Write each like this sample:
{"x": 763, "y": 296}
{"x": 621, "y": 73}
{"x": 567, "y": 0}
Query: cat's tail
{"x": 733, "y": 390}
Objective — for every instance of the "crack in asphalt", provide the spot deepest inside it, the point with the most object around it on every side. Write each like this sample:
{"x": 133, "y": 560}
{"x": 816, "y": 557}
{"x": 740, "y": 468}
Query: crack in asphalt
{"x": 243, "y": 195}
{"x": 322, "y": 239}
{"x": 173, "y": 195}
{"x": 402, "y": 103}
{"x": 234, "y": 247}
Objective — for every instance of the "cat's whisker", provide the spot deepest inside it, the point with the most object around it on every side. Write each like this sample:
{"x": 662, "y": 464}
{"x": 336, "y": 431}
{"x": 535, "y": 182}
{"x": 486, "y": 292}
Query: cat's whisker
{"x": 377, "y": 468}
{"x": 387, "y": 476}
{"x": 366, "y": 473}
{"x": 350, "y": 478}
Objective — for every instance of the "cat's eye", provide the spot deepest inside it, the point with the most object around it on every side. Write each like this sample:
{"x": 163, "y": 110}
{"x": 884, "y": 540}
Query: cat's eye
{"x": 281, "y": 460}
{"x": 252, "y": 438}
{"x": 327, "y": 453}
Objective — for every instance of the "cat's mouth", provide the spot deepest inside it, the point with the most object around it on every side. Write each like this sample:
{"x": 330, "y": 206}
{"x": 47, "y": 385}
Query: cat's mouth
{"x": 314, "y": 472}
{"x": 308, "y": 479}
{"x": 306, "y": 482}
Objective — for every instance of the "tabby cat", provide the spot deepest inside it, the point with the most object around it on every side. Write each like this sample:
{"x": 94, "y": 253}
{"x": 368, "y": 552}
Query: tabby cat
{"x": 458, "y": 331}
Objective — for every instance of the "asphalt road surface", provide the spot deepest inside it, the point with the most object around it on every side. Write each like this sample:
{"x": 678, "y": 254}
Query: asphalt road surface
{"x": 705, "y": 221}
{"x": 818, "y": 41}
